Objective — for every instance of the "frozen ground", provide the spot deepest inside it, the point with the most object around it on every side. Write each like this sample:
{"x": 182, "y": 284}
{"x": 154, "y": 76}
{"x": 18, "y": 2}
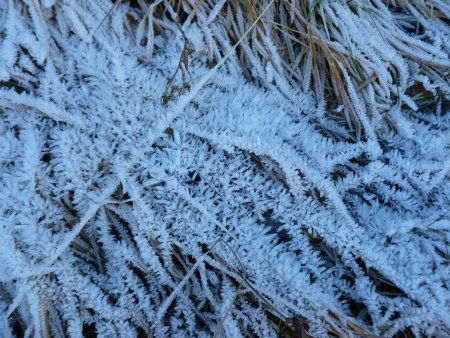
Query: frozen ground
{"x": 144, "y": 191}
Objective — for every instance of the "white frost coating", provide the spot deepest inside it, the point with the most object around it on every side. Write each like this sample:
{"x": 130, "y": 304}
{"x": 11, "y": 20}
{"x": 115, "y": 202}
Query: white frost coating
{"x": 145, "y": 192}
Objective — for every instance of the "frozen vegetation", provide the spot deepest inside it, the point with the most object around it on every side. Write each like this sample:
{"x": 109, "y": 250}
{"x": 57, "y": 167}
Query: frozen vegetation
{"x": 224, "y": 168}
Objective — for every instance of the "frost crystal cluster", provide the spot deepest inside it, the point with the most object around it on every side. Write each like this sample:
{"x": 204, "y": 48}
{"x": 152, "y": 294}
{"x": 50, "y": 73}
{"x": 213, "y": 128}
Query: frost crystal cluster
{"x": 157, "y": 181}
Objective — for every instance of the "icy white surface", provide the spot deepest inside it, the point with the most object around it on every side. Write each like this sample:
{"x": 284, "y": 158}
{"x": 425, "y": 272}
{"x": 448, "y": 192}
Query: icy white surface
{"x": 139, "y": 208}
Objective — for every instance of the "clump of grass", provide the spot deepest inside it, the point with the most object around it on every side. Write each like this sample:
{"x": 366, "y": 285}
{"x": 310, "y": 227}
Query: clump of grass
{"x": 357, "y": 57}
{"x": 356, "y": 85}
